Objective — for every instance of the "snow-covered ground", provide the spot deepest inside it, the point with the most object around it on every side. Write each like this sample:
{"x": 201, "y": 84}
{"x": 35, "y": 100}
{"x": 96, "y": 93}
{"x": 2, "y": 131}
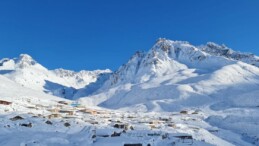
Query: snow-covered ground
{"x": 174, "y": 94}
{"x": 97, "y": 129}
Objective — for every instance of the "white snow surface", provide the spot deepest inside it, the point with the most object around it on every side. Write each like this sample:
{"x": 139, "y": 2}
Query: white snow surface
{"x": 217, "y": 87}
{"x": 59, "y": 82}
{"x": 174, "y": 75}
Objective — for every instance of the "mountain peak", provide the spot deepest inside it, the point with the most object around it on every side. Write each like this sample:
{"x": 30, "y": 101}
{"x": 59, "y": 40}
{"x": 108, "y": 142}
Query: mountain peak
{"x": 223, "y": 49}
{"x": 166, "y": 44}
{"x": 214, "y": 45}
{"x": 169, "y": 56}
{"x": 164, "y": 40}
{"x": 25, "y": 57}
{"x": 25, "y": 60}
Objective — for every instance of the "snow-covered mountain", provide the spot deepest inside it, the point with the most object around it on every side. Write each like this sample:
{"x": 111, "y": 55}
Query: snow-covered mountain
{"x": 167, "y": 77}
{"x": 215, "y": 88}
{"x": 175, "y": 74}
{"x": 168, "y": 57}
{"x": 63, "y": 83}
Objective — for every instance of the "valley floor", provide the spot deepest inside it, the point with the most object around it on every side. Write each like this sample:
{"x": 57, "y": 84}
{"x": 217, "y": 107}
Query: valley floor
{"x": 25, "y": 122}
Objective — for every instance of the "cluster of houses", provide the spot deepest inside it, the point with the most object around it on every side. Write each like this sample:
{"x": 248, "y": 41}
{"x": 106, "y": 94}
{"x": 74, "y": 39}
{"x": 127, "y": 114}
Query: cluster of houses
{"x": 127, "y": 124}
{"x": 65, "y": 109}
{"x": 62, "y": 109}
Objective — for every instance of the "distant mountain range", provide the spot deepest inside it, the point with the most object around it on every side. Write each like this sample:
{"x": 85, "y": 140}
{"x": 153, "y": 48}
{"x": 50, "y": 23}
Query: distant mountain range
{"x": 63, "y": 83}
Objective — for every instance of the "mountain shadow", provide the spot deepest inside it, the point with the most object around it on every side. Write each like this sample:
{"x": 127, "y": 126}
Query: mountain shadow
{"x": 59, "y": 90}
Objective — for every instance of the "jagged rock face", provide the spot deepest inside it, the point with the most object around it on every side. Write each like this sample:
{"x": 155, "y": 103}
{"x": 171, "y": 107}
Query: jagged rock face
{"x": 129, "y": 69}
{"x": 25, "y": 61}
{"x": 215, "y": 49}
{"x": 222, "y": 50}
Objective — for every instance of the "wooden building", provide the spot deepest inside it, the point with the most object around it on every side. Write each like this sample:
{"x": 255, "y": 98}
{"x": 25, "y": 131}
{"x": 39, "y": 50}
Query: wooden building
{"x": 54, "y": 116}
{"x": 89, "y": 111}
{"x": 53, "y": 110}
{"x": 5, "y": 102}
{"x": 63, "y": 102}
{"x": 68, "y": 112}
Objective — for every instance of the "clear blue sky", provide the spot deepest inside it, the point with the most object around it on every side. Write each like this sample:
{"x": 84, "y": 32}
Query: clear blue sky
{"x": 99, "y": 34}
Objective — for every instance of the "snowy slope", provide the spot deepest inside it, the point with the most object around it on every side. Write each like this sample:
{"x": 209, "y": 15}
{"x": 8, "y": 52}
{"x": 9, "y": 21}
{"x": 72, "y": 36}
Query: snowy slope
{"x": 174, "y": 75}
{"x": 63, "y": 83}
{"x": 216, "y": 87}
{"x": 13, "y": 92}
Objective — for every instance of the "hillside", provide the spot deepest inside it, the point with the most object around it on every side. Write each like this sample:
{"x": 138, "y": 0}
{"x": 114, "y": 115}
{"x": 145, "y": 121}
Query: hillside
{"x": 59, "y": 82}
{"x": 175, "y": 74}
{"x": 174, "y": 94}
